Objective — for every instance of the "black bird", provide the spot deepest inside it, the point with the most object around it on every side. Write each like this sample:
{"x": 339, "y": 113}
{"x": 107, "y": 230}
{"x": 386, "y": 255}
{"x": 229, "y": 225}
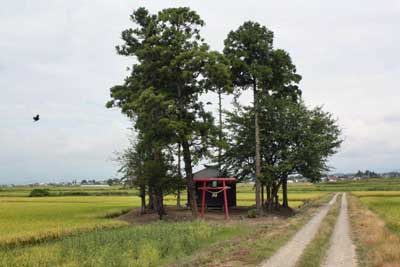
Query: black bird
{"x": 36, "y": 118}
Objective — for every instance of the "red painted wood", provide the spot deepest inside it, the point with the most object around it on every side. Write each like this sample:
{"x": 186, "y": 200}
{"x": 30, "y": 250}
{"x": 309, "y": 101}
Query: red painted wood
{"x": 210, "y": 187}
{"x": 225, "y": 203}
{"x": 214, "y": 179}
{"x": 204, "y": 188}
{"x": 203, "y": 198}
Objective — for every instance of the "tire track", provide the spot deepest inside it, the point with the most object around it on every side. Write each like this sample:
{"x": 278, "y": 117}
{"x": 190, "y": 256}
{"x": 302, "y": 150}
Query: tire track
{"x": 342, "y": 251}
{"x": 288, "y": 255}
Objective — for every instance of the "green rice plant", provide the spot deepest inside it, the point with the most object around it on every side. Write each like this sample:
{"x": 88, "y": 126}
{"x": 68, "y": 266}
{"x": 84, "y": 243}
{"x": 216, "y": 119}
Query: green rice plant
{"x": 144, "y": 246}
{"x": 32, "y": 220}
{"x": 387, "y": 207}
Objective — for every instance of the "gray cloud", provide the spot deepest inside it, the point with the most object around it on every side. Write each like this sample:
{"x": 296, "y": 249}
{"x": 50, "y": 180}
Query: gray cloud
{"x": 392, "y": 118}
{"x": 58, "y": 59}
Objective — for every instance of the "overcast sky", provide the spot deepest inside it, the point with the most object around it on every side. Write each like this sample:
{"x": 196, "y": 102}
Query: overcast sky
{"x": 57, "y": 58}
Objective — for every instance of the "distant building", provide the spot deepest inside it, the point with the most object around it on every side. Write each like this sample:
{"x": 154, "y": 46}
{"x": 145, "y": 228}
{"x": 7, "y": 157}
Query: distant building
{"x": 94, "y": 185}
{"x": 332, "y": 179}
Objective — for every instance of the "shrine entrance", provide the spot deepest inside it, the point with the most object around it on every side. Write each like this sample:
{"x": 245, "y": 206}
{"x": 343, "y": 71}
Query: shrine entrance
{"x": 211, "y": 190}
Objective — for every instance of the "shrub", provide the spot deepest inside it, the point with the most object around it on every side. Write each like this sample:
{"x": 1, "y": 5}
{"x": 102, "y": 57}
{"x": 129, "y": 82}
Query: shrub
{"x": 252, "y": 213}
{"x": 37, "y": 192}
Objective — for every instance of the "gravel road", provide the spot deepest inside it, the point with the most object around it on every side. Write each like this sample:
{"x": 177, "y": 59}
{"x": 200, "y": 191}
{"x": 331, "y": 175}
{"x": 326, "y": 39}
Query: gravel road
{"x": 342, "y": 251}
{"x": 288, "y": 255}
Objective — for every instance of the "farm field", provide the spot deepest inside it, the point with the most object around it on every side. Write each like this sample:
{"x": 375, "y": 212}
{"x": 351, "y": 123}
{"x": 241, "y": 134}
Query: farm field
{"x": 24, "y": 219}
{"x": 386, "y": 205}
{"x": 138, "y": 246}
{"x": 33, "y": 219}
{"x": 63, "y": 230}
{"x": 23, "y": 191}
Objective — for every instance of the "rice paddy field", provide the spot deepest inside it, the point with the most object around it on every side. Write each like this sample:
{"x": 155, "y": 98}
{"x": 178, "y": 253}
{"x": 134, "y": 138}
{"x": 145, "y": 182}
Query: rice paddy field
{"x": 385, "y": 204}
{"x": 76, "y": 226}
{"x": 26, "y": 219}
{"x": 138, "y": 246}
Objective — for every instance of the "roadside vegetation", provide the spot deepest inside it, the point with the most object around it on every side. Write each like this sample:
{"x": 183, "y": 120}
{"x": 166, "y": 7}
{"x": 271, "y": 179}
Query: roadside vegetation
{"x": 30, "y": 220}
{"x": 39, "y": 230}
{"x": 315, "y": 252}
{"x": 141, "y": 246}
{"x": 260, "y": 243}
{"x": 376, "y": 235}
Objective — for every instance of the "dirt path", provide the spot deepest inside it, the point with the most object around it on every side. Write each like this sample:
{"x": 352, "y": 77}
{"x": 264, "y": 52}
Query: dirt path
{"x": 342, "y": 251}
{"x": 288, "y": 255}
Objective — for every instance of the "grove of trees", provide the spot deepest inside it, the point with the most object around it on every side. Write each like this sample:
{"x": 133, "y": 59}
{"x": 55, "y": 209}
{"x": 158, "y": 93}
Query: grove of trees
{"x": 266, "y": 141}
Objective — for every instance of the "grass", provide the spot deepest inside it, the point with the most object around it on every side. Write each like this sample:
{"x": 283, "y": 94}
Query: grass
{"x": 142, "y": 246}
{"x": 377, "y": 245}
{"x": 79, "y": 225}
{"x": 315, "y": 252}
{"x": 380, "y": 184}
{"x": 296, "y": 199}
{"x": 23, "y": 191}
{"x": 259, "y": 242}
{"x": 32, "y": 220}
{"x": 25, "y": 220}
{"x": 386, "y": 205}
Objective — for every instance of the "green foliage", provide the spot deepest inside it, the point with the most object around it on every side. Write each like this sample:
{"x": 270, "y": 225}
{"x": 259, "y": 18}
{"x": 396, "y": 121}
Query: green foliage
{"x": 252, "y": 213}
{"x": 255, "y": 63}
{"x": 32, "y": 220}
{"x": 367, "y": 174}
{"x": 39, "y": 192}
{"x": 148, "y": 245}
{"x": 249, "y": 50}
{"x": 293, "y": 140}
{"x": 162, "y": 92}
{"x": 386, "y": 206}
{"x": 26, "y": 220}
{"x": 317, "y": 249}
{"x": 268, "y": 72}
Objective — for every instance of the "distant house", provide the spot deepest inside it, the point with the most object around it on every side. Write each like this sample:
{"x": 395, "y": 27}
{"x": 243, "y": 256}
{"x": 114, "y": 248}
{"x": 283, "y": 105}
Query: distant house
{"x": 210, "y": 171}
{"x": 332, "y": 179}
{"x": 94, "y": 185}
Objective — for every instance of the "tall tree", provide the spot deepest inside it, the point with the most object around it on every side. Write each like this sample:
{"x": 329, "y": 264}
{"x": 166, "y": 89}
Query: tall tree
{"x": 249, "y": 49}
{"x": 219, "y": 80}
{"x": 256, "y": 65}
{"x": 295, "y": 140}
{"x": 174, "y": 63}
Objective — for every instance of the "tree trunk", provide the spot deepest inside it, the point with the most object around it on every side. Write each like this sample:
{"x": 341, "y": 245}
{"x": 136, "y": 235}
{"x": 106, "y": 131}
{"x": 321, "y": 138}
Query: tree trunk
{"x": 220, "y": 128}
{"x": 150, "y": 205}
{"x": 285, "y": 202}
{"x": 178, "y": 196}
{"x": 275, "y": 196}
{"x": 158, "y": 192}
{"x": 178, "y": 199}
{"x": 262, "y": 195}
{"x": 258, "y": 156}
{"x": 269, "y": 198}
{"x": 143, "y": 199}
{"x": 189, "y": 178}
{"x": 159, "y": 203}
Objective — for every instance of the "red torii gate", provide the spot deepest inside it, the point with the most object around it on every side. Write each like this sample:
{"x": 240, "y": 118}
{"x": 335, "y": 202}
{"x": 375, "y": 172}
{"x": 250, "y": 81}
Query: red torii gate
{"x": 223, "y": 188}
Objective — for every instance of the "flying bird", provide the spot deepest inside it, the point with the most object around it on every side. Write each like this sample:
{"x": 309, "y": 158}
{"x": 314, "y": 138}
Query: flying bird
{"x": 36, "y": 118}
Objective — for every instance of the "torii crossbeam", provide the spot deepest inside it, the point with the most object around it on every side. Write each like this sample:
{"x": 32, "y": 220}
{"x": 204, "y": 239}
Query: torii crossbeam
{"x": 205, "y": 188}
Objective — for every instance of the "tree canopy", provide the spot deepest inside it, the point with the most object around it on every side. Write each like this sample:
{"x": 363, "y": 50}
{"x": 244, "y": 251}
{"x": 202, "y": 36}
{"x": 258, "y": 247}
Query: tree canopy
{"x": 162, "y": 92}
{"x": 174, "y": 66}
{"x": 294, "y": 140}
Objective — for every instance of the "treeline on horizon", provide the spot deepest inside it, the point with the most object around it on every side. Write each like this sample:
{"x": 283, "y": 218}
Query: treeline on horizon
{"x": 124, "y": 182}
